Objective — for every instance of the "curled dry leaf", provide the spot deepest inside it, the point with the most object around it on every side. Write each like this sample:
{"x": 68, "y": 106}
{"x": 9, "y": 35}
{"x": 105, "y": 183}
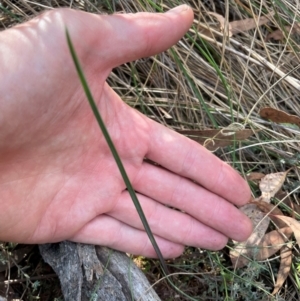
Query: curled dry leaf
{"x": 279, "y": 116}
{"x": 213, "y": 139}
{"x": 293, "y": 224}
{"x": 285, "y": 267}
{"x": 270, "y": 185}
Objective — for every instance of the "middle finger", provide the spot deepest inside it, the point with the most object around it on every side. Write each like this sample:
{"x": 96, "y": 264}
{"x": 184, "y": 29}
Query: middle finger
{"x": 181, "y": 193}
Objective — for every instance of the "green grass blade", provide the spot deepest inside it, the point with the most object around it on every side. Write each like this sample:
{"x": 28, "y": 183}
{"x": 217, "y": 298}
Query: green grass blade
{"x": 115, "y": 153}
{"x": 8, "y": 12}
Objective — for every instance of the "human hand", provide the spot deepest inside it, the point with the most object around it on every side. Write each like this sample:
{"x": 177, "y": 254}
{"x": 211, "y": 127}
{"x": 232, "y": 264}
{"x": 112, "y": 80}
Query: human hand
{"x": 58, "y": 179}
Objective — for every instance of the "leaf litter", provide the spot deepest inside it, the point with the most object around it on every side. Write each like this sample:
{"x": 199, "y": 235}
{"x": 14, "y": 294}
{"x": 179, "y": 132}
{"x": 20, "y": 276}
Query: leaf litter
{"x": 261, "y": 245}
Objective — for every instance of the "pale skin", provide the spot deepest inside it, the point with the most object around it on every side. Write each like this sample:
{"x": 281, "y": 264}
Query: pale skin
{"x": 58, "y": 179}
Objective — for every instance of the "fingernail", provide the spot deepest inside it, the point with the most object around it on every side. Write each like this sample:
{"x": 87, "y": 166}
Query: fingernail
{"x": 178, "y": 9}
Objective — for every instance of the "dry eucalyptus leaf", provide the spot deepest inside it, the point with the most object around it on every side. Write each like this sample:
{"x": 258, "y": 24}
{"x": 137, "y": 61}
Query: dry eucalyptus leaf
{"x": 242, "y": 251}
{"x": 279, "y": 116}
{"x": 270, "y": 185}
{"x": 214, "y": 139}
{"x": 285, "y": 267}
{"x": 272, "y": 242}
{"x": 294, "y": 224}
{"x": 249, "y": 23}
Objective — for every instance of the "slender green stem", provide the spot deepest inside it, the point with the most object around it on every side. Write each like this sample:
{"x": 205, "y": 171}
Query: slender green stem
{"x": 115, "y": 153}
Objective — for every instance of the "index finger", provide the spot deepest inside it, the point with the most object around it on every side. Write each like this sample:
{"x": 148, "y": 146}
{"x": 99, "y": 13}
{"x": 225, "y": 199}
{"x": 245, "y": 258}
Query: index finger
{"x": 189, "y": 159}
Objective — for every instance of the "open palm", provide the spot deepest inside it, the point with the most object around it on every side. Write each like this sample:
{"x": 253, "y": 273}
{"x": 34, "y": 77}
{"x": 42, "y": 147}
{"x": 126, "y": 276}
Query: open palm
{"x": 58, "y": 179}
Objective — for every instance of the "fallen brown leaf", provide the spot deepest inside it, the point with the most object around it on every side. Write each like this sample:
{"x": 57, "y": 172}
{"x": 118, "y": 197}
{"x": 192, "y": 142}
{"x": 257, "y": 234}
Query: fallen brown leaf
{"x": 272, "y": 242}
{"x": 213, "y": 139}
{"x": 294, "y": 224}
{"x": 279, "y": 116}
{"x": 285, "y": 267}
{"x": 249, "y": 23}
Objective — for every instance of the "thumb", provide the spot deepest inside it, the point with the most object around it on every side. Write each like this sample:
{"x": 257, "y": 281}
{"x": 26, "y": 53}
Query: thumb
{"x": 121, "y": 38}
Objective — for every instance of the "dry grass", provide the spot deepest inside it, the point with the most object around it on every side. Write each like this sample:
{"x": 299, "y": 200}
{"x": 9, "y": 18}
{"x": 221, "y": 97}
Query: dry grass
{"x": 211, "y": 81}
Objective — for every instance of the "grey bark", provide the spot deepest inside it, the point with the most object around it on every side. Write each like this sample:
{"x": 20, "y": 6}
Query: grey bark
{"x": 90, "y": 273}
